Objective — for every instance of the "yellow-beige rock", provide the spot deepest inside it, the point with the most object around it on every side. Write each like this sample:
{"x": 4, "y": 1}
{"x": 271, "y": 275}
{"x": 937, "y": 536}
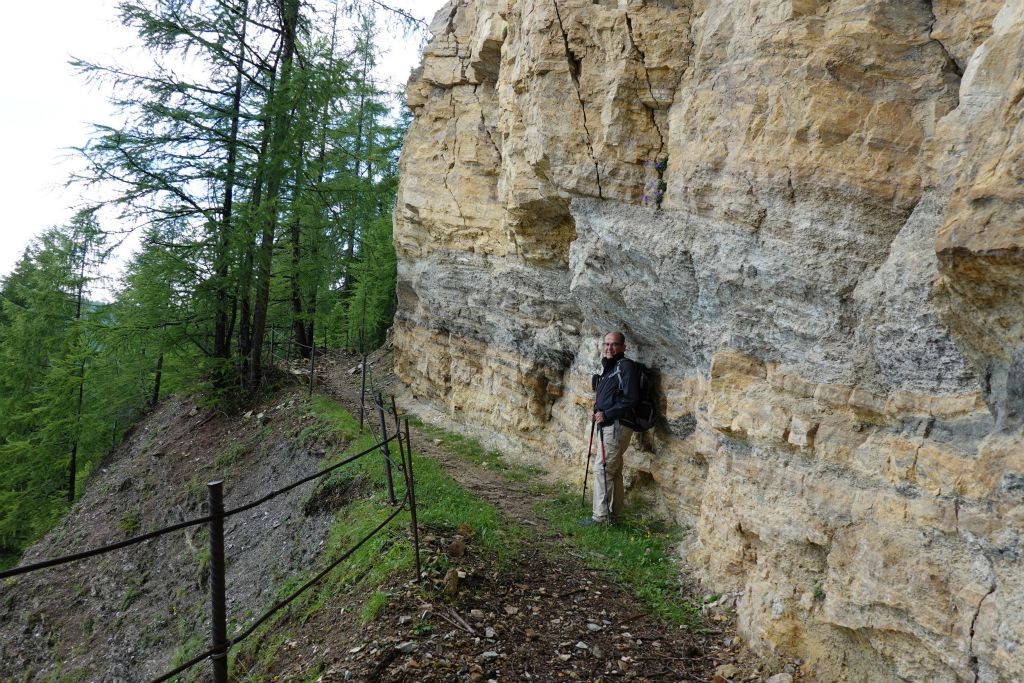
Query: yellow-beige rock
{"x": 808, "y": 215}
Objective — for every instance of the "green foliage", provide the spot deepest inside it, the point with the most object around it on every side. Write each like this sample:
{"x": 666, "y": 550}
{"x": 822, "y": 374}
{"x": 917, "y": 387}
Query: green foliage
{"x": 262, "y": 186}
{"x": 372, "y": 304}
{"x": 52, "y": 411}
{"x": 265, "y": 179}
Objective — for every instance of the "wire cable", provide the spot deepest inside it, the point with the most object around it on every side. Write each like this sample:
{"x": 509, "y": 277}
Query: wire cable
{"x": 289, "y": 487}
{"x": 190, "y": 663}
{"x": 319, "y": 577}
{"x": 102, "y": 549}
{"x": 56, "y": 561}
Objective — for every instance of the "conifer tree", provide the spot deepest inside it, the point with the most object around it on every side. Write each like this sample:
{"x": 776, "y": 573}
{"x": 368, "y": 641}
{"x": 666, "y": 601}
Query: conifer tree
{"x": 258, "y": 160}
{"x": 46, "y": 354}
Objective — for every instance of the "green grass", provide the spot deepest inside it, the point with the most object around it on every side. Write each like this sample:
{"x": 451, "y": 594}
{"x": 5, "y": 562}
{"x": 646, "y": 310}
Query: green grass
{"x": 129, "y": 597}
{"x": 202, "y": 555}
{"x": 330, "y": 422}
{"x": 194, "y": 644}
{"x": 373, "y": 606}
{"x": 263, "y": 439}
{"x": 231, "y": 454}
{"x": 258, "y": 653}
{"x": 129, "y": 522}
{"x": 471, "y": 450}
{"x": 636, "y": 553}
{"x": 389, "y": 556}
{"x": 442, "y": 504}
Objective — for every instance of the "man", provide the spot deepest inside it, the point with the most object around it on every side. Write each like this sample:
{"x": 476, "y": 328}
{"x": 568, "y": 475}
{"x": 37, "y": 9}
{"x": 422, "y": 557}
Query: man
{"x": 617, "y": 390}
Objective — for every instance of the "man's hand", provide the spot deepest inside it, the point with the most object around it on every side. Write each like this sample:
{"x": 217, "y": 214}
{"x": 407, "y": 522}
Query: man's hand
{"x": 598, "y": 416}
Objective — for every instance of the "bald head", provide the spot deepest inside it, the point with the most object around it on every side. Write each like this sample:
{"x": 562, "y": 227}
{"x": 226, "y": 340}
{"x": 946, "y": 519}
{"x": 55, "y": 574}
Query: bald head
{"x": 614, "y": 344}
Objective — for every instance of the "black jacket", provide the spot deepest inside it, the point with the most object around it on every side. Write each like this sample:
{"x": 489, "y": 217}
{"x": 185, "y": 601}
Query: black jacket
{"x": 617, "y": 389}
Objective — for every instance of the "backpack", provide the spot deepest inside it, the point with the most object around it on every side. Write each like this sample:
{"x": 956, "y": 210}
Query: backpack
{"x": 645, "y": 412}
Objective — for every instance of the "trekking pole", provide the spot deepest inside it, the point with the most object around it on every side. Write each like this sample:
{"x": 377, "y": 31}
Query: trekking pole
{"x": 586, "y": 472}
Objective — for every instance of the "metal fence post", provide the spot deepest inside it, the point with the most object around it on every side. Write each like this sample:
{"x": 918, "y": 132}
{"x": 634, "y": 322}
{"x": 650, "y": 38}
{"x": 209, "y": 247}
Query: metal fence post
{"x": 410, "y": 483}
{"x": 385, "y": 450}
{"x": 312, "y": 366}
{"x": 362, "y": 394}
{"x": 218, "y": 606}
{"x": 398, "y": 430}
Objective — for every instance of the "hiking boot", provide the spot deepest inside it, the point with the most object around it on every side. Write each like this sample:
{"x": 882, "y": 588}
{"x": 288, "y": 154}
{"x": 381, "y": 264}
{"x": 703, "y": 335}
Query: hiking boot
{"x": 590, "y": 521}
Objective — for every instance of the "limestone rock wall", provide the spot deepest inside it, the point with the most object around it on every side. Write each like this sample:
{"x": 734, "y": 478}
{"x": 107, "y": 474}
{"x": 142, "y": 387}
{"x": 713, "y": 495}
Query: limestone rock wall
{"x": 809, "y": 216}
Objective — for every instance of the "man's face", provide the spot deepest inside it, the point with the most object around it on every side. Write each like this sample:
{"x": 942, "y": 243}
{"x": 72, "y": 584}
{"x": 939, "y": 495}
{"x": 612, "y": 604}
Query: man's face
{"x": 612, "y": 345}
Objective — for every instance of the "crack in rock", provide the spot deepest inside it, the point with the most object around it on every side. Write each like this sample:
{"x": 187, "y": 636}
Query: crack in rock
{"x": 957, "y": 67}
{"x": 575, "y": 69}
{"x": 486, "y": 129}
{"x": 650, "y": 87}
{"x": 451, "y": 165}
{"x": 974, "y": 620}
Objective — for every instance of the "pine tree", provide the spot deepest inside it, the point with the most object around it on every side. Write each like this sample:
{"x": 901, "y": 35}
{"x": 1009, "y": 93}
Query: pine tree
{"x": 46, "y": 353}
{"x": 258, "y": 158}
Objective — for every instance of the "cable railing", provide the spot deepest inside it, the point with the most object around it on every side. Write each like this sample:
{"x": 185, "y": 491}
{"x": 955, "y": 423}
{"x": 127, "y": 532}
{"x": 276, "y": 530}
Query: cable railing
{"x": 220, "y": 643}
{"x": 288, "y": 343}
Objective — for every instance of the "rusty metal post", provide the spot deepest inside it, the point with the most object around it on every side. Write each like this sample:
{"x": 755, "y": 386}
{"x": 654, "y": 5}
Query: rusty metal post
{"x": 312, "y": 365}
{"x": 218, "y": 602}
{"x": 362, "y": 393}
{"x": 411, "y": 484}
{"x": 398, "y": 430}
{"x": 385, "y": 450}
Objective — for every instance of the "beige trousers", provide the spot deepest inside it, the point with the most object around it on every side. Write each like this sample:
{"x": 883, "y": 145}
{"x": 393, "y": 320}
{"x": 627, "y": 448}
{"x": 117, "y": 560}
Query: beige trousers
{"x": 608, "y": 489}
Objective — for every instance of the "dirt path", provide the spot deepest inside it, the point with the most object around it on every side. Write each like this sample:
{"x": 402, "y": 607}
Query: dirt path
{"x": 554, "y": 618}
{"x": 343, "y": 384}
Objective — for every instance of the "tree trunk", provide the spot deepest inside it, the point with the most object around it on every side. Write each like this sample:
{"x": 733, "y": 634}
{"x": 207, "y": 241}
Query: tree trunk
{"x": 222, "y": 333}
{"x": 156, "y": 380}
{"x": 248, "y": 264}
{"x": 73, "y": 461}
{"x": 298, "y": 318}
{"x": 280, "y": 128}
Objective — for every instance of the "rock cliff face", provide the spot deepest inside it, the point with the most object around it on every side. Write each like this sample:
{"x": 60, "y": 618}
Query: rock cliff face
{"x": 809, "y": 216}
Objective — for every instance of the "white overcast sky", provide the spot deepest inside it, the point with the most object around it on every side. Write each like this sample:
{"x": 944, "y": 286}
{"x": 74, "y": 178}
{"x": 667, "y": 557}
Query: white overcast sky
{"x": 45, "y": 108}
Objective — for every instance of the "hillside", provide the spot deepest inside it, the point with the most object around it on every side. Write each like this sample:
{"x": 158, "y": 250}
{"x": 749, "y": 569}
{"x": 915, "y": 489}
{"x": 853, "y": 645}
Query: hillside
{"x": 528, "y": 594}
{"x": 129, "y": 613}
